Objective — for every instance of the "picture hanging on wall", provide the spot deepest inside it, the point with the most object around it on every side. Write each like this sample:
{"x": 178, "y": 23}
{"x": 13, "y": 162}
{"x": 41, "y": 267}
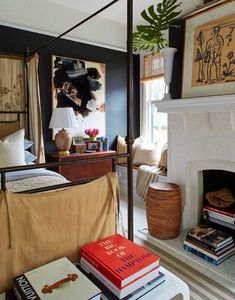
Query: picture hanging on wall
{"x": 209, "y": 53}
{"x": 80, "y": 84}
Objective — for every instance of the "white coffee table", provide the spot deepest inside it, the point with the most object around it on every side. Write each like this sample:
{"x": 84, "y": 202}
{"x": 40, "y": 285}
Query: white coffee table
{"x": 172, "y": 286}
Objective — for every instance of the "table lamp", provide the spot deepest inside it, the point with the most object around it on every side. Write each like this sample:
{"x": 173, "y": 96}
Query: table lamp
{"x": 63, "y": 117}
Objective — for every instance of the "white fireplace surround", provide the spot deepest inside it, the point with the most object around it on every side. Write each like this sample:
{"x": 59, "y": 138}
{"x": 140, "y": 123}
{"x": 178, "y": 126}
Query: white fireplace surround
{"x": 201, "y": 136}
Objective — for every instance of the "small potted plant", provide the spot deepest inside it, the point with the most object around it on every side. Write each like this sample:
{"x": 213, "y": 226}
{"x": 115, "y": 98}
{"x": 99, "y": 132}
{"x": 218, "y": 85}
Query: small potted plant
{"x": 92, "y": 133}
{"x": 150, "y": 37}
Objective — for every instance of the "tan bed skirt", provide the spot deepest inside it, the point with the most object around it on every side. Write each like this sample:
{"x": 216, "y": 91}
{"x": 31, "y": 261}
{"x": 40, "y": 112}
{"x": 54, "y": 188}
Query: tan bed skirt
{"x": 38, "y": 228}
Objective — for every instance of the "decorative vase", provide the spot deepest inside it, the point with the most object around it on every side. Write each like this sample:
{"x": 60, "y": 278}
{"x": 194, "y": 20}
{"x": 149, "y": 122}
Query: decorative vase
{"x": 63, "y": 141}
{"x": 168, "y": 58}
{"x": 92, "y": 138}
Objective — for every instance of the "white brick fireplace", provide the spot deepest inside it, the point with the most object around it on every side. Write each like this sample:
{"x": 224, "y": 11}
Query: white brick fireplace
{"x": 201, "y": 136}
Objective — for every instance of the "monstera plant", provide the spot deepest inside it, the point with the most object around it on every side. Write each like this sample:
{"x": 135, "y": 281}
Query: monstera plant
{"x": 160, "y": 18}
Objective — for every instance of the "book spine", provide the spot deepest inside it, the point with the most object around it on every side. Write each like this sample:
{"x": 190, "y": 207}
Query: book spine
{"x": 102, "y": 269}
{"x": 201, "y": 255}
{"x": 219, "y": 216}
{"x": 220, "y": 222}
{"x": 125, "y": 290}
{"x": 139, "y": 295}
{"x": 207, "y": 258}
{"x": 226, "y": 213}
{"x": 16, "y": 293}
{"x": 90, "y": 269}
{"x": 225, "y": 249}
{"x": 203, "y": 251}
{"x": 23, "y": 289}
{"x": 190, "y": 238}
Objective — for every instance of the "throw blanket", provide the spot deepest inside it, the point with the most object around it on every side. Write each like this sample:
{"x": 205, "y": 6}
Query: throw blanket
{"x": 145, "y": 175}
{"x": 38, "y": 228}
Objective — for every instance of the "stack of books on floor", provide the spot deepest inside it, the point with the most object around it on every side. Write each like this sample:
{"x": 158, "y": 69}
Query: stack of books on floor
{"x": 221, "y": 216}
{"x": 210, "y": 244}
{"x": 120, "y": 268}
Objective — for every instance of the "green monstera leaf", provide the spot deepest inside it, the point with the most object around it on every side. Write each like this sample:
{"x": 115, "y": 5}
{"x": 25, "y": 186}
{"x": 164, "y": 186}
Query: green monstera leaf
{"x": 151, "y": 37}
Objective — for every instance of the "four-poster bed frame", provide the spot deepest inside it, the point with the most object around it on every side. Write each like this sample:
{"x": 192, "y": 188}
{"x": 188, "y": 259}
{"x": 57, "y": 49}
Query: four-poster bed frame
{"x": 129, "y": 138}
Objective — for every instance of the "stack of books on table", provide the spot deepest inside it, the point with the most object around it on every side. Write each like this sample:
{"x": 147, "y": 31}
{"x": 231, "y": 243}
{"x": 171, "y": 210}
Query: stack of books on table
{"x": 221, "y": 216}
{"x": 210, "y": 244}
{"x": 120, "y": 268}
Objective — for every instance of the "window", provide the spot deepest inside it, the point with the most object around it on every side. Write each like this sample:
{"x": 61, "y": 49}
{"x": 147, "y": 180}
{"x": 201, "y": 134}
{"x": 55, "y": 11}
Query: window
{"x": 155, "y": 127}
{"x": 154, "y": 124}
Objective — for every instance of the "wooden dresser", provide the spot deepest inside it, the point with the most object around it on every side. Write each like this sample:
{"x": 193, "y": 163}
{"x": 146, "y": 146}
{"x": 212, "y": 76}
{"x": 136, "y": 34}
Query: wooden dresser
{"x": 87, "y": 170}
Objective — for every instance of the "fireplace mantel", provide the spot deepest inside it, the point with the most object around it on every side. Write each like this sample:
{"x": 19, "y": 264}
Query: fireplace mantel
{"x": 201, "y": 132}
{"x": 220, "y": 103}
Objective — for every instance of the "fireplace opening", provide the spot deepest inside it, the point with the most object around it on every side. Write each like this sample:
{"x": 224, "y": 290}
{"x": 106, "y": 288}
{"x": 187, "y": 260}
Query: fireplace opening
{"x": 214, "y": 180}
{"x": 217, "y": 183}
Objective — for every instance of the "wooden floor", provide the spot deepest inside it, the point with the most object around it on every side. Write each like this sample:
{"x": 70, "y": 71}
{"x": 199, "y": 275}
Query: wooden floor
{"x": 202, "y": 282}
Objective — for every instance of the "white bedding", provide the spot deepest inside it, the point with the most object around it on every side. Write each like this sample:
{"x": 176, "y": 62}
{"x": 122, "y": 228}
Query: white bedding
{"x": 32, "y": 179}
{"x": 12, "y": 176}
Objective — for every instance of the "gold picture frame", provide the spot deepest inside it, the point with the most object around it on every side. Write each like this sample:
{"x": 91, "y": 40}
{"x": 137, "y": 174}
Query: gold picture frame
{"x": 77, "y": 140}
{"x": 209, "y": 52}
{"x": 93, "y": 145}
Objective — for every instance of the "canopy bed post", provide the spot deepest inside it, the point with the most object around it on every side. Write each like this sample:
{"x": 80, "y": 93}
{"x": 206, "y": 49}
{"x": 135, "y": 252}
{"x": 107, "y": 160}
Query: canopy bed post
{"x": 3, "y": 181}
{"x": 130, "y": 138}
{"x": 26, "y": 88}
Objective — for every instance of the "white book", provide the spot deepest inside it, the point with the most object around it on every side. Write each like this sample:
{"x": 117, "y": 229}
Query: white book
{"x": 120, "y": 293}
{"x": 221, "y": 222}
{"x": 42, "y": 283}
{"x": 143, "y": 290}
{"x": 219, "y": 216}
{"x": 203, "y": 251}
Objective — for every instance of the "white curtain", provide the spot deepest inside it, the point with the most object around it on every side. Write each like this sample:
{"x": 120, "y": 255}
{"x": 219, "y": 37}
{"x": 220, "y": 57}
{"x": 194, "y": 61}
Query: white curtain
{"x": 35, "y": 116}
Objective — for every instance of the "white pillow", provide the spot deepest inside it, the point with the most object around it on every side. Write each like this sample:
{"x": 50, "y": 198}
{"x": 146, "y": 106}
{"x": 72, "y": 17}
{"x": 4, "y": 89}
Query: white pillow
{"x": 122, "y": 147}
{"x": 12, "y": 150}
{"x": 145, "y": 154}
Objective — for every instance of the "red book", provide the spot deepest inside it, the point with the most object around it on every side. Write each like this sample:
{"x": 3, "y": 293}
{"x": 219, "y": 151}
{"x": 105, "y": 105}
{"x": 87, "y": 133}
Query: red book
{"x": 226, "y": 212}
{"x": 119, "y": 259}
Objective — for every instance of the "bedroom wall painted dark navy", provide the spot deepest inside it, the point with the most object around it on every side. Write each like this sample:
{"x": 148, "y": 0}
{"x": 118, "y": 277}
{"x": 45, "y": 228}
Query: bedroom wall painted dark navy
{"x": 15, "y": 41}
{"x": 176, "y": 39}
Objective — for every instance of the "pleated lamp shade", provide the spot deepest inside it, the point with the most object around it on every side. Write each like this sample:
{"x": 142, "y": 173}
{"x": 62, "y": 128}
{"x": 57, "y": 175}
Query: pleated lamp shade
{"x": 63, "y": 117}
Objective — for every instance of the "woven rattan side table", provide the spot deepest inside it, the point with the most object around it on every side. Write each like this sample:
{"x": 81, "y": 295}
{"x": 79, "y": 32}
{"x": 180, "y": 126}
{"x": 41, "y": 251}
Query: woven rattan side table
{"x": 163, "y": 209}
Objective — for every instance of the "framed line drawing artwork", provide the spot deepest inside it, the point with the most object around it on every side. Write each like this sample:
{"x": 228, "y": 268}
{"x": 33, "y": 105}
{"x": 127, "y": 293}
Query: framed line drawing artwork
{"x": 209, "y": 52}
{"x": 80, "y": 84}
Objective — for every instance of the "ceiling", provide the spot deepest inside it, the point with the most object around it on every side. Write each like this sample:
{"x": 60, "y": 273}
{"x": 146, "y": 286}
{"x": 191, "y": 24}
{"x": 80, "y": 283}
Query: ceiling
{"x": 90, "y": 6}
{"x": 117, "y": 12}
{"x": 56, "y": 16}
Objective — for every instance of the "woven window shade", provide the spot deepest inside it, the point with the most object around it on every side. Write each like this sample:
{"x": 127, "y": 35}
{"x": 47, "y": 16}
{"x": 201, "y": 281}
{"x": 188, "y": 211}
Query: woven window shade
{"x": 153, "y": 66}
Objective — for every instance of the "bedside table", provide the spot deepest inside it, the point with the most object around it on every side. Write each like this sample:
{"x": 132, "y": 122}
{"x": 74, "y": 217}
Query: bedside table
{"x": 83, "y": 171}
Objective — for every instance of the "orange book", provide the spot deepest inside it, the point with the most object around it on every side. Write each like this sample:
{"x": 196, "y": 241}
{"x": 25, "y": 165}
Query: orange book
{"x": 119, "y": 259}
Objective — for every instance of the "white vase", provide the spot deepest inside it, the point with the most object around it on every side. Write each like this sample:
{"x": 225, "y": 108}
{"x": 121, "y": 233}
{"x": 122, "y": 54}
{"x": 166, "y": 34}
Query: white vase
{"x": 168, "y": 58}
